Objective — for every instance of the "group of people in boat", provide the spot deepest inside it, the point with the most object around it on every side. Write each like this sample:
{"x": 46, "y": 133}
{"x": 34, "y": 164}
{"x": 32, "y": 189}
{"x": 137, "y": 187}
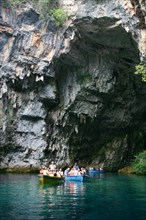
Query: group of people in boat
{"x": 94, "y": 168}
{"x": 75, "y": 171}
{"x": 53, "y": 171}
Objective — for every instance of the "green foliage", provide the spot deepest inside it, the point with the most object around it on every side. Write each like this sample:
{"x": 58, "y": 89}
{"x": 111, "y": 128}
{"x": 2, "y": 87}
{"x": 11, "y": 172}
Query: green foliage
{"x": 141, "y": 69}
{"x": 59, "y": 16}
{"x": 139, "y": 163}
{"x": 44, "y": 7}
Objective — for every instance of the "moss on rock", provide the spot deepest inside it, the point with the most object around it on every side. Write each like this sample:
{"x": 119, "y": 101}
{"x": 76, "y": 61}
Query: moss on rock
{"x": 126, "y": 170}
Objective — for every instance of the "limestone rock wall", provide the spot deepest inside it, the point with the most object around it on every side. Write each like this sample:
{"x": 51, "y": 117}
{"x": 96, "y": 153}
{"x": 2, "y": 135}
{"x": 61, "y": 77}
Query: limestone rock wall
{"x": 69, "y": 94}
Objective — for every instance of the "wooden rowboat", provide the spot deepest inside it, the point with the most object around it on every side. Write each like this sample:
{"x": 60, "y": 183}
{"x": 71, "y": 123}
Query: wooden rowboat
{"x": 74, "y": 178}
{"x": 50, "y": 179}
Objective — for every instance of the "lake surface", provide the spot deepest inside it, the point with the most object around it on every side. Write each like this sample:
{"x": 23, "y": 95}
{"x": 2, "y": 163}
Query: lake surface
{"x": 101, "y": 197}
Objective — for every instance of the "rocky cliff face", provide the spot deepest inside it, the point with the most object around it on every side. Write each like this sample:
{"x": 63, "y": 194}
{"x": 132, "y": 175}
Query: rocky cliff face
{"x": 69, "y": 94}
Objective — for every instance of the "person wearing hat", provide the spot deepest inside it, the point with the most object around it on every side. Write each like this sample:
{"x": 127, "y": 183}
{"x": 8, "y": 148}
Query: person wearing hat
{"x": 52, "y": 166}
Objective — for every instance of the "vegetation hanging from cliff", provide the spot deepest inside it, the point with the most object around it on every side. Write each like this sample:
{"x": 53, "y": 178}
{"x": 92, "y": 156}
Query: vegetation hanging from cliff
{"x": 43, "y": 7}
{"x": 59, "y": 16}
{"x": 141, "y": 70}
{"x": 139, "y": 163}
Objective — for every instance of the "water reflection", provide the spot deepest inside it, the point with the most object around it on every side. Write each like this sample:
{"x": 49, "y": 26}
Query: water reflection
{"x": 73, "y": 188}
{"x": 102, "y": 197}
{"x": 66, "y": 189}
{"x": 96, "y": 175}
{"x": 64, "y": 199}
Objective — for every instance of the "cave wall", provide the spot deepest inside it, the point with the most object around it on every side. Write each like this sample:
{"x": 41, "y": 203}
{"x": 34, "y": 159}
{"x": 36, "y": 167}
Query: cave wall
{"x": 69, "y": 94}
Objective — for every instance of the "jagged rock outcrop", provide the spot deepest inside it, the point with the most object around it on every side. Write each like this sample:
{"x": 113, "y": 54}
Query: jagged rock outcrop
{"x": 70, "y": 93}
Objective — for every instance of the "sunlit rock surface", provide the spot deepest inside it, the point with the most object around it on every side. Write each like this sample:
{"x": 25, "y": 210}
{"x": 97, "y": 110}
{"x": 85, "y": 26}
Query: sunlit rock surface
{"x": 69, "y": 94}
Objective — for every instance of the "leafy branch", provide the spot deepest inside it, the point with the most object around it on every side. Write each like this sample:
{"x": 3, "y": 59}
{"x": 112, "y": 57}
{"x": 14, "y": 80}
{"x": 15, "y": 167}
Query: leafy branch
{"x": 139, "y": 163}
{"x": 141, "y": 70}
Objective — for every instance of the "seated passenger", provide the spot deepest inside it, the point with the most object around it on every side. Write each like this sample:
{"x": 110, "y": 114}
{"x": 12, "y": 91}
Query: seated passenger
{"x": 45, "y": 171}
{"x": 60, "y": 173}
{"x": 52, "y": 166}
{"x": 75, "y": 172}
{"x": 41, "y": 171}
{"x": 66, "y": 171}
{"x": 83, "y": 171}
{"x": 71, "y": 172}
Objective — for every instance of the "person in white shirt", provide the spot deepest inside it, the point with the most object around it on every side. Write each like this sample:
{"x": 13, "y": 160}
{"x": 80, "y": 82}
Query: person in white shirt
{"x": 60, "y": 173}
{"x": 76, "y": 173}
{"x": 52, "y": 166}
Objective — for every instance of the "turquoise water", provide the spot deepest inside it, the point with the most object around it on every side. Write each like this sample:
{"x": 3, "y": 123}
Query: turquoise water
{"x": 102, "y": 197}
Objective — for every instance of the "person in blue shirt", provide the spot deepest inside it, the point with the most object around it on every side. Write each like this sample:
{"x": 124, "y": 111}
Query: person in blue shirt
{"x": 66, "y": 171}
{"x": 76, "y": 166}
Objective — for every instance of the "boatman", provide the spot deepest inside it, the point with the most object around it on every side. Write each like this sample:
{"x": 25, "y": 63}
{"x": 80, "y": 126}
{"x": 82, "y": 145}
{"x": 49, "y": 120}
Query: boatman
{"x": 52, "y": 166}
